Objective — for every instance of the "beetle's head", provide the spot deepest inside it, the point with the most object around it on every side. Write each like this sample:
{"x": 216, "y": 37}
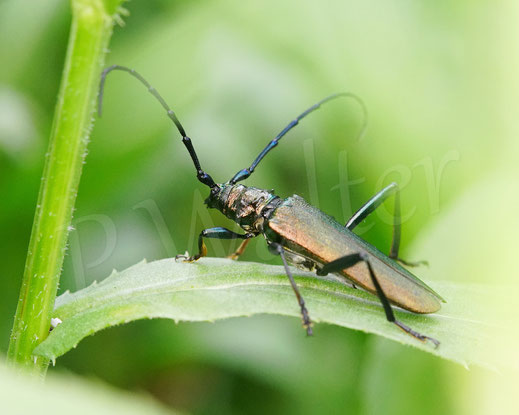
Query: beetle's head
{"x": 214, "y": 200}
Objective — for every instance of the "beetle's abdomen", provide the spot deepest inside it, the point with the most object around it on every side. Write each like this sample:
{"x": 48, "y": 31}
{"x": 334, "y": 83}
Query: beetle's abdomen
{"x": 305, "y": 230}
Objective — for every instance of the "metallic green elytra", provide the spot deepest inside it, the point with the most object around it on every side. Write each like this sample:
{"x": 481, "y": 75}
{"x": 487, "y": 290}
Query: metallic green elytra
{"x": 305, "y": 236}
{"x": 317, "y": 239}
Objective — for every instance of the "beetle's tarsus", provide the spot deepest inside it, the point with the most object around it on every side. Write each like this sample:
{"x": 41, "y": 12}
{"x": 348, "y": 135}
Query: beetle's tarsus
{"x": 423, "y": 338}
{"x": 191, "y": 259}
{"x": 308, "y": 327}
{"x": 412, "y": 263}
{"x": 187, "y": 258}
{"x": 433, "y": 341}
{"x": 307, "y": 323}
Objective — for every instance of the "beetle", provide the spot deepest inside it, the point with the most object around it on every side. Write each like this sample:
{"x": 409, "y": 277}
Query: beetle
{"x": 303, "y": 235}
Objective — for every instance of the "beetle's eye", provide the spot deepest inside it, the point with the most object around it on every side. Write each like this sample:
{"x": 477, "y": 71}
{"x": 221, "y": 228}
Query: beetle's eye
{"x": 213, "y": 197}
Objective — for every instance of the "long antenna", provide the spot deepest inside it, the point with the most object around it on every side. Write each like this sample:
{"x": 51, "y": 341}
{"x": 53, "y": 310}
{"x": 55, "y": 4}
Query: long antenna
{"x": 200, "y": 174}
{"x": 243, "y": 174}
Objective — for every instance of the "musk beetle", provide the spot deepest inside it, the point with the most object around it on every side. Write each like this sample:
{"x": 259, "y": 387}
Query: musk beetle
{"x": 303, "y": 235}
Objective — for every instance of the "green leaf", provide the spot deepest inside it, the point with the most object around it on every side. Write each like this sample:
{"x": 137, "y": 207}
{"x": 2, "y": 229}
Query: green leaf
{"x": 213, "y": 289}
{"x": 67, "y": 394}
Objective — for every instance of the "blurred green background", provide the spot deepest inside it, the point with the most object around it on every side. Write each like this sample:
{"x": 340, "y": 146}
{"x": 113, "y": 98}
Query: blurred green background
{"x": 440, "y": 83}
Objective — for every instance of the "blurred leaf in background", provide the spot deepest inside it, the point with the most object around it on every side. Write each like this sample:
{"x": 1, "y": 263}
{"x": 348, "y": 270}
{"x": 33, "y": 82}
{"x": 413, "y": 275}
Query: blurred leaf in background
{"x": 66, "y": 394}
{"x": 440, "y": 83}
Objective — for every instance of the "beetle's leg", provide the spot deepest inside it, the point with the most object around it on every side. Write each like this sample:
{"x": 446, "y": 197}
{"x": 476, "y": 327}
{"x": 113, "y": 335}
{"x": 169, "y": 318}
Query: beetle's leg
{"x": 371, "y": 205}
{"x": 352, "y": 259}
{"x": 216, "y": 233}
{"x": 236, "y": 254}
{"x": 307, "y": 323}
{"x": 412, "y": 263}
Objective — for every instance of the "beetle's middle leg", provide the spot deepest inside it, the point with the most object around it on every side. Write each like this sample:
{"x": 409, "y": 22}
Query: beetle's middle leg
{"x": 216, "y": 233}
{"x": 276, "y": 248}
{"x": 371, "y": 205}
{"x": 352, "y": 259}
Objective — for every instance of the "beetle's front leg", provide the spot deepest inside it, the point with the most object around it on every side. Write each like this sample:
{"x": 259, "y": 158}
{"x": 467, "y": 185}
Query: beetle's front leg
{"x": 236, "y": 254}
{"x": 216, "y": 233}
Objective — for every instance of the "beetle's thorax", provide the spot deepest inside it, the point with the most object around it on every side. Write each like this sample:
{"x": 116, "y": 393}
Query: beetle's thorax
{"x": 247, "y": 206}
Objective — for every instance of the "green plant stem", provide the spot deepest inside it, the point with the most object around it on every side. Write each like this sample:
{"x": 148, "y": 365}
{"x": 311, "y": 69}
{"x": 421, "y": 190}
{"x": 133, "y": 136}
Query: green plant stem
{"x": 91, "y": 29}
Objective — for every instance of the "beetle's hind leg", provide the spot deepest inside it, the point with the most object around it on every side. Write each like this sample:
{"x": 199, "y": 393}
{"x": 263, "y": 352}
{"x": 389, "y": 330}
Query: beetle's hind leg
{"x": 352, "y": 259}
{"x": 370, "y": 206}
{"x": 276, "y": 248}
{"x": 215, "y": 233}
